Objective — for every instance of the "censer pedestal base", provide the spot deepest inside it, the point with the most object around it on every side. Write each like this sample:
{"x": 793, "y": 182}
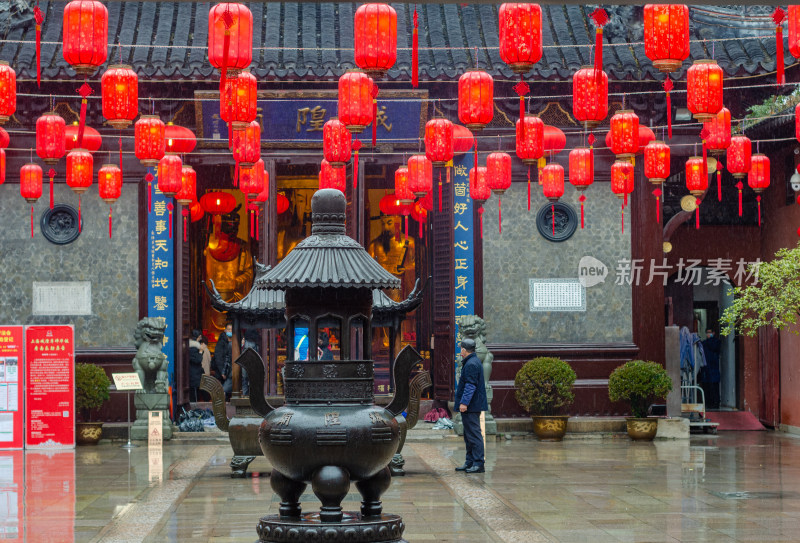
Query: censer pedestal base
{"x": 353, "y": 527}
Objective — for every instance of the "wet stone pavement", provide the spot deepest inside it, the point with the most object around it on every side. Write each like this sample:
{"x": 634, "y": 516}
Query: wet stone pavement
{"x": 738, "y": 486}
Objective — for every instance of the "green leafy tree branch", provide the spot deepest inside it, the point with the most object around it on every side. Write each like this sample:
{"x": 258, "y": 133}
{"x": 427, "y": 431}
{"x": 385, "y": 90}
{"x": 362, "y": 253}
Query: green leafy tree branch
{"x": 774, "y": 301}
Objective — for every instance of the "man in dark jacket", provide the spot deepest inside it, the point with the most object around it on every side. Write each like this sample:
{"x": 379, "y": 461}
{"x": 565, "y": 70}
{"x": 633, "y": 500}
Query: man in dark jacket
{"x": 222, "y": 360}
{"x": 471, "y": 400}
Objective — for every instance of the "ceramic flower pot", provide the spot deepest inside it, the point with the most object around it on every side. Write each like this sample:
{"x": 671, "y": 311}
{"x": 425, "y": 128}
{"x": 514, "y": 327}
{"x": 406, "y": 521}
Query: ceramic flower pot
{"x": 642, "y": 429}
{"x": 550, "y": 428}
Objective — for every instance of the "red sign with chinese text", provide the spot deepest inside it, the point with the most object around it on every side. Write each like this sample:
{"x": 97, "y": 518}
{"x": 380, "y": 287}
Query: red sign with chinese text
{"x": 49, "y": 386}
{"x": 11, "y": 362}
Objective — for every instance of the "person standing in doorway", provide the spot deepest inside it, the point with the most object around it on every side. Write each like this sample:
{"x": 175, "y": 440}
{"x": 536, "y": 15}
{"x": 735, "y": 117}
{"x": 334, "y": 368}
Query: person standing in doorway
{"x": 223, "y": 360}
{"x": 195, "y": 365}
{"x": 471, "y": 401}
{"x": 710, "y": 375}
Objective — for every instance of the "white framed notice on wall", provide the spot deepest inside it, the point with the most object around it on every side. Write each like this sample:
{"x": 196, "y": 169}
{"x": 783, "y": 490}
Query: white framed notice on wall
{"x": 557, "y": 295}
{"x": 62, "y": 298}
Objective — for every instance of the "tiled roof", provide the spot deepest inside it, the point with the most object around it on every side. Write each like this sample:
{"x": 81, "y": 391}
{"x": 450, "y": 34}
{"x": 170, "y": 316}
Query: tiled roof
{"x": 309, "y": 39}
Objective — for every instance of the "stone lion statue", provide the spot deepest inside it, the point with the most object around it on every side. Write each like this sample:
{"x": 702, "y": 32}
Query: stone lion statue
{"x": 150, "y": 363}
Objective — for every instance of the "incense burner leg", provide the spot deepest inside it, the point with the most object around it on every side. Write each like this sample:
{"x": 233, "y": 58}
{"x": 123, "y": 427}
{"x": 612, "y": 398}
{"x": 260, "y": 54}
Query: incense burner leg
{"x": 330, "y": 485}
{"x": 289, "y": 491}
{"x": 371, "y": 491}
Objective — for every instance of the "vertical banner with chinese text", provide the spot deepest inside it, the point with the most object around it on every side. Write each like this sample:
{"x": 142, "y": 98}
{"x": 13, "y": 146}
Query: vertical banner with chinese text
{"x": 161, "y": 271}
{"x": 11, "y": 363}
{"x": 49, "y": 386}
{"x": 463, "y": 237}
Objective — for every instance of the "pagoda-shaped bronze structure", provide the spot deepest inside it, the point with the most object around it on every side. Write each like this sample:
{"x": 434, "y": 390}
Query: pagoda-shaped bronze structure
{"x": 329, "y": 433}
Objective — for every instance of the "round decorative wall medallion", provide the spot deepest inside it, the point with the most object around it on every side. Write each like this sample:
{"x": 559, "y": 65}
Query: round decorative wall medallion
{"x": 566, "y": 221}
{"x": 60, "y": 224}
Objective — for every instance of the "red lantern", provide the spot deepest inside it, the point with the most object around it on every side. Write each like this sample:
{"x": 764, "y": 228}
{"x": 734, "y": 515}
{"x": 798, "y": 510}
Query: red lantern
{"x": 247, "y": 145}
{"x": 645, "y": 136}
{"x": 281, "y": 203}
{"x": 5, "y": 139}
{"x": 389, "y": 205}
{"x": 590, "y": 96}
{"x": 479, "y": 189}
{"x": 463, "y": 140}
{"x": 80, "y": 170}
{"x": 622, "y": 178}
{"x": 2, "y": 166}
{"x": 797, "y": 121}
{"x": 402, "y": 188}
{"x": 85, "y": 35}
{"x": 758, "y": 179}
{"x": 332, "y": 178}
{"x": 624, "y": 134}
{"x": 739, "y": 156}
{"x": 150, "y": 141}
{"x": 179, "y": 139}
{"x": 719, "y": 132}
{"x": 218, "y": 203}
{"x": 188, "y": 192}
{"x": 554, "y": 140}
{"x": 656, "y": 162}
{"x": 355, "y": 100}
{"x": 30, "y": 182}
{"x": 439, "y": 141}
{"x": 238, "y": 100}
{"x": 8, "y": 91}
{"x": 794, "y": 30}
{"x": 336, "y": 140}
{"x": 120, "y": 91}
{"x": 553, "y": 182}
{"x": 581, "y": 168}
{"x": 475, "y": 99}
{"x": 196, "y": 211}
{"x": 530, "y": 144}
{"x": 696, "y": 176}
{"x": 375, "y": 38}
{"x": 109, "y": 183}
{"x": 230, "y": 37}
{"x": 50, "y": 133}
{"x": 170, "y": 172}
{"x": 666, "y": 35}
{"x": 420, "y": 175}
{"x": 520, "y": 35}
{"x": 263, "y": 182}
{"x": 251, "y": 180}
{"x": 704, "y": 89}
{"x": 91, "y": 138}
{"x": 498, "y": 172}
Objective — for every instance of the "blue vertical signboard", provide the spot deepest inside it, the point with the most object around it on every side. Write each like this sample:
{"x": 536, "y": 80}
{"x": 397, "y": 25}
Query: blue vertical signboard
{"x": 463, "y": 237}
{"x": 161, "y": 270}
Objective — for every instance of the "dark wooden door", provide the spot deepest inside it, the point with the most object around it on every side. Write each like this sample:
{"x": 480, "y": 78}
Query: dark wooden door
{"x": 769, "y": 356}
{"x": 442, "y": 294}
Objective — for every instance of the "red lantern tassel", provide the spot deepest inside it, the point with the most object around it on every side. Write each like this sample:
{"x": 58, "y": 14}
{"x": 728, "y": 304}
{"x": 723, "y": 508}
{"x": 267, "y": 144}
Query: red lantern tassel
{"x": 356, "y": 146}
{"x": 169, "y": 207}
{"x": 258, "y": 213}
{"x": 32, "y": 220}
{"x": 529, "y": 188}
{"x": 480, "y": 213}
{"x": 121, "y": 173}
{"x": 758, "y": 199}
{"x": 779, "y": 54}
{"x": 625, "y": 200}
{"x": 109, "y": 222}
{"x": 668, "y": 87}
{"x": 697, "y": 214}
{"x": 406, "y": 227}
{"x": 80, "y": 216}
{"x": 82, "y": 122}
{"x": 500, "y": 214}
{"x": 415, "y": 52}
{"x": 236, "y": 175}
{"x": 375, "y": 91}
{"x": 420, "y": 228}
{"x": 252, "y": 224}
{"x": 622, "y": 207}
{"x": 705, "y": 159}
{"x": 553, "y": 214}
{"x": 739, "y": 186}
{"x": 522, "y": 115}
{"x": 52, "y": 174}
{"x": 598, "y": 47}
{"x": 39, "y": 18}
{"x": 719, "y": 184}
{"x": 149, "y": 196}
{"x": 582, "y": 199}
{"x": 440, "y": 191}
{"x": 657, "y": 194}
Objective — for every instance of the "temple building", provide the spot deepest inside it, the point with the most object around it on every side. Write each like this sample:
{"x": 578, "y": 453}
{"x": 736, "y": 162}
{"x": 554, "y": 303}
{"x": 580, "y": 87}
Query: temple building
{"x": 521, "y": 264}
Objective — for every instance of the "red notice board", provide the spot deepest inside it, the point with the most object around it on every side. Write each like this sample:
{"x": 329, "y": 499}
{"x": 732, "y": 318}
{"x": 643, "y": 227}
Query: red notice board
{"x": 11, "y": 409}
{"x": 49, "y": 386}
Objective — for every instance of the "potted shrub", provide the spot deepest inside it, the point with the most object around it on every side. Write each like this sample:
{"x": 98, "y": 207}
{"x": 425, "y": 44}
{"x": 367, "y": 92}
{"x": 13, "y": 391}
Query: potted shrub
{"x": 91, "y": 386}
{"x": 639, "y": 383}
{"x": 544, "y": 387}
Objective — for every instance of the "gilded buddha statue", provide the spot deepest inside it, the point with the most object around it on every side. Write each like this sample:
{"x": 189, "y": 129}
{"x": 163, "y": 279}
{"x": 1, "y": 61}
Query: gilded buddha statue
{"x": 229, "y": 263}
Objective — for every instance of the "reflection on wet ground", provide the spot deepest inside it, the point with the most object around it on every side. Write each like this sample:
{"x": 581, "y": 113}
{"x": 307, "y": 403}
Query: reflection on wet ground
{"x": 738, "y": 486}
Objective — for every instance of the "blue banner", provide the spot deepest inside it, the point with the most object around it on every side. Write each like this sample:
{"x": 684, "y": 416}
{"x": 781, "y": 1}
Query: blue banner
{"x": 463, "y": 237}
{"x": 301, "y": 120}
{"x": 161, "y": 269}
